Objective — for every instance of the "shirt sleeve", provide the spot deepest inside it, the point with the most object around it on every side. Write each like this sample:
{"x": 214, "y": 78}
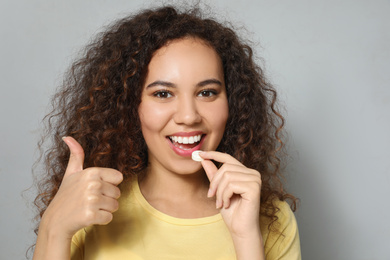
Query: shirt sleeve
{"x": 77, "y": 246}
{"x": 285, "y": 244}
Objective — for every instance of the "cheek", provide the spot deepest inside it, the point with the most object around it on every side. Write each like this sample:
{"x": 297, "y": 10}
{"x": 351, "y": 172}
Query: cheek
{"x": 152, "y": 117}
{"x": 218, "y": 116}
{"x": 221, "y": 120}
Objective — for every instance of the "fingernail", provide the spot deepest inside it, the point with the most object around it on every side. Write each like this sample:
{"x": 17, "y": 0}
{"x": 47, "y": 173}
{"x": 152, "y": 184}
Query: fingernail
{"x": 63, "y": 138}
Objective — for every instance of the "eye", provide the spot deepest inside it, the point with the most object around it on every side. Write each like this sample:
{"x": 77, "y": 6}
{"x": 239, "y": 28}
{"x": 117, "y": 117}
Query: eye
{"x": 207, "y": 93}
{"x": 162, "y": 94}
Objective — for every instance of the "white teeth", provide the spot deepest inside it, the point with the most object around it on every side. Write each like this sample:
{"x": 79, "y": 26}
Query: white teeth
{"x": 186, "y": 140}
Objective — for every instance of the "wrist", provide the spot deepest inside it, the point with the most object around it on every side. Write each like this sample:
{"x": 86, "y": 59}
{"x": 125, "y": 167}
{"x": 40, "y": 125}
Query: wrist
{"x": 51, "y": 244}
{"x": 53, "y": 231}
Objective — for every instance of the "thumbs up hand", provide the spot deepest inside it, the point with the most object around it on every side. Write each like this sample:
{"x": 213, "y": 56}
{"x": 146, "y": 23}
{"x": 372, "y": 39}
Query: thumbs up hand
{"x": 85, "y": 197}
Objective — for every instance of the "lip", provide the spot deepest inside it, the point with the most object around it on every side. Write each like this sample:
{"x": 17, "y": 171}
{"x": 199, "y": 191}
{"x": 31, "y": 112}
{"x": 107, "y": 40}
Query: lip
{"x": 187, "y": 133}
{"x": 186, "y": 153}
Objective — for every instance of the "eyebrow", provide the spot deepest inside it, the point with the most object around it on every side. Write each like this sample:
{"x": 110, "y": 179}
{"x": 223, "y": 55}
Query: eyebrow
{"x": 172, "y": 85}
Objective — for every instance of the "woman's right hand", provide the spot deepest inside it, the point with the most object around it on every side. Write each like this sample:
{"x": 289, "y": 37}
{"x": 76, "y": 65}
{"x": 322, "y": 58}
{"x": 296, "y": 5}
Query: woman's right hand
{"x": 85, "y": 197}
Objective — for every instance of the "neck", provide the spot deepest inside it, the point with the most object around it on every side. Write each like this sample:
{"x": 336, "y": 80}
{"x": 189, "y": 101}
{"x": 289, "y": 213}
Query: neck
{"x": 178, "y": 195}
{"x": 162, "y": 184}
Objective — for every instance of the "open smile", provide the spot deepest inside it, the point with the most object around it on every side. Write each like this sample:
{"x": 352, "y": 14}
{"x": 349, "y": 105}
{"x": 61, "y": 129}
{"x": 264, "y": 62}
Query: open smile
{"x": 184, "y": 144}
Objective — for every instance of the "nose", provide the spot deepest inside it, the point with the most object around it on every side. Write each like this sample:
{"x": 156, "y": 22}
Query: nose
{"x": 187, "y": 112}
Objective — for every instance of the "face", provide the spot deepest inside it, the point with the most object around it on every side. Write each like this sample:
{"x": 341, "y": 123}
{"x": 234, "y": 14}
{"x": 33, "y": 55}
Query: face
{"x": 184, "y": 105}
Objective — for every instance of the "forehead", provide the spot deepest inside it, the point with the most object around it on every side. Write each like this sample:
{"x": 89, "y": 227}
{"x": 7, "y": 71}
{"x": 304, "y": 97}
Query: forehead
{"x": 182, "y": 43}
{"x": 188, "y": 57}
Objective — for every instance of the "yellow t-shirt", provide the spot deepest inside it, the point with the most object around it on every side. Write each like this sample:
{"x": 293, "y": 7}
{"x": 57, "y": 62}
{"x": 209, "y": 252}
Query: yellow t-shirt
{"x": 140, "y": 232}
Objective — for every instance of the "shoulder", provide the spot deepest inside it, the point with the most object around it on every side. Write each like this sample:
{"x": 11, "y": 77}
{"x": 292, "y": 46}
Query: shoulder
{"x": 281, "y": 240}
{"x": 285, "y": 218}
{"x": 285, "y": 215}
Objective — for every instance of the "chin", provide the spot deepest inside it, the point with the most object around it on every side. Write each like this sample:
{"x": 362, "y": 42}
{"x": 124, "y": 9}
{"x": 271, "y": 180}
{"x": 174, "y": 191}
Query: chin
{"x": 187, "y": 167}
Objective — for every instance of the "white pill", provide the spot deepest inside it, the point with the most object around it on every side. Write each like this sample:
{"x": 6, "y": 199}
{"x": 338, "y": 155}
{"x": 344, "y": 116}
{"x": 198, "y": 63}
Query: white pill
{"x": 196, "y": 157}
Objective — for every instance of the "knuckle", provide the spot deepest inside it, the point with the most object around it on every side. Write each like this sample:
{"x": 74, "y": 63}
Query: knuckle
{"x": 90, "y": 217}
{"x": 92, "y": 173}
{"x": 228, "y": 175}
{"x": 95, "y": 185}
{"x": 223, "y": 167}
{"x": 76, "y": 154}
{"x": 92, "y": 199}
{"x": 230, "y": 186}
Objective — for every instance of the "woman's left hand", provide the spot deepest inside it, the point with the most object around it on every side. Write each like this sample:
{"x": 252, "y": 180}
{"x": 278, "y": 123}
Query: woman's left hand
{"x": 237, "y": 191}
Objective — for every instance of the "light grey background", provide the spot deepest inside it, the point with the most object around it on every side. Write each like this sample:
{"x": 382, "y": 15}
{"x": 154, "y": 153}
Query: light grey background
{"x": 330, "y": 60}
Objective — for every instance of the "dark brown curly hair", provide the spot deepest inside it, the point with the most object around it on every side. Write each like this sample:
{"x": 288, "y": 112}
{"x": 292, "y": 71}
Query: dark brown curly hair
{"x": 99, "y": 99}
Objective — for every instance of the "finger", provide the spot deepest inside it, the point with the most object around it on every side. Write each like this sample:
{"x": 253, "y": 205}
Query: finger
{"x": 232, "y": 177}
{"x": 110, "y": 190}
{"x": 96, "y": 187}
{"x": 248, "y": 191}
{"x": 103, "y": 217}
{"x": 76, "y": 158}
{"x": 227, "y": 194}
{"x": 228, "y": 168}
{"x": 98, "y": 217}
{"x": 111, "y": 176}
{"x": 108, "y": 204}
{"x": 210, "y": 169}
{"x": 219, "y": 157}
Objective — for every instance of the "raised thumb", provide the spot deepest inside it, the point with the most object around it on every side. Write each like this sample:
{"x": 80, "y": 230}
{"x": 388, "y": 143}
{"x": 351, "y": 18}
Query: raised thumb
{"x": 76, "y": 158}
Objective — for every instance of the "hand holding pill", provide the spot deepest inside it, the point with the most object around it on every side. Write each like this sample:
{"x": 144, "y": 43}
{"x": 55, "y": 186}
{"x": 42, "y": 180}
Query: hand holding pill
{"x": 236, "y": 189}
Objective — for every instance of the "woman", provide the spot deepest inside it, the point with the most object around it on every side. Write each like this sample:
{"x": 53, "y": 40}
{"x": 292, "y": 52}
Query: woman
{"x": 154, "y": 88}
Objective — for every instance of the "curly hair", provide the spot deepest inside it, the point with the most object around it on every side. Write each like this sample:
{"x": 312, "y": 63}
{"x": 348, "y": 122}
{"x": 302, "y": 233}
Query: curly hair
{"x": 99, "y": 99}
